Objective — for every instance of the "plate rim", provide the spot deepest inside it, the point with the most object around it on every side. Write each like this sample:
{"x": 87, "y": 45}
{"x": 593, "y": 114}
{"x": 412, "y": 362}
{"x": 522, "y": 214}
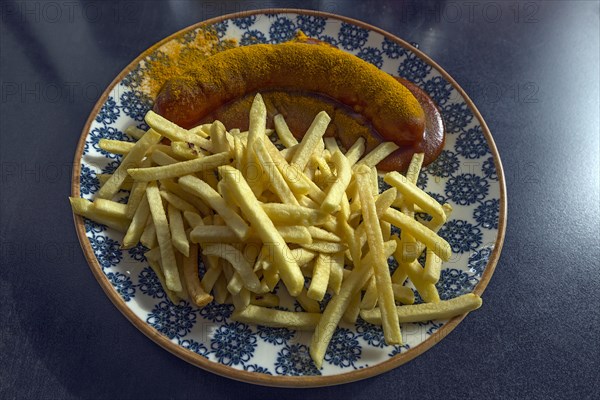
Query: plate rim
{"x": 254, "y": 377}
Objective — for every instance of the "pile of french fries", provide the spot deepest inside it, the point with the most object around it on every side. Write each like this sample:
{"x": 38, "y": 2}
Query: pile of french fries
{"x": 262, "y": 218}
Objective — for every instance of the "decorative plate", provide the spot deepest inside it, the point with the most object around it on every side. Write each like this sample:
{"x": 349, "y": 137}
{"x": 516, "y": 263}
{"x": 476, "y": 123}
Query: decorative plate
{"x": 468, "y": 175}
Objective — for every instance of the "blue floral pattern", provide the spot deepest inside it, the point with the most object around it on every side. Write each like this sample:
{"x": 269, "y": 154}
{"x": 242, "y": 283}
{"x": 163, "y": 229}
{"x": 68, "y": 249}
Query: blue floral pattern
{"x": 465, "y": 176}
{"x": 233, "y": 343}
{"x": 294, "y": 360}
{"x": 122, "y": 284}
{"x": 343, "y": 350}
{"x": 172, "y": 320}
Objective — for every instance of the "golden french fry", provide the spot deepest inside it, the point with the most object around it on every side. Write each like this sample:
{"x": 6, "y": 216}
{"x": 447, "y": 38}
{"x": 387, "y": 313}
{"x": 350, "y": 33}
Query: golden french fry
{"x": 308, "y": 304}
{"x": 180, "y": 168}
{"x": 163, "y": 234}
{"x": 369, "y": 300}
{"x": 86, "y": 209}
{"x": 414, "y": 168}
{"x": 294, "y": 215}
{"x": 283, "y": 131}
{"x": 148, "y": 238}
{"x": 410, "y": 192}
{"x": 391, "y": 327}
{"x": 325, "y": 247}
{"x": 321, "y": 234}
{"x": 126, "y": 185}
{"x": 190, "y": 274}
{"x": 115, "y": 146}
{"x": 356, "y": 151}
{"x": 177, "y": 201}
{"x": 429, "y": 311}
{"x": 110, "y": 208}
{"x": 161, "y": 158}
{"x": 187, "y": 151}
{"x": 351, "y": 314}
{"x": 433, "y": 266}
{"x": 138, "y": 223}
{"x": 338, "y": 188}
{"x": 218, "y": 135}
{"x": 403, "y": 294}
{"x": 378, "y": 154}
{"x": 134, "y": 132}
{"x": 311, "y": 140}
{"x": 320, "y": 277}
{"x": 178, "y": 236}
{"x": 277, "y": 318}
{"x": 265, "y": 300}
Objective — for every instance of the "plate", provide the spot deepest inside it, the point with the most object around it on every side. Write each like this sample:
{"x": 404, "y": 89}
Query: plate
{"x": 468, "y": 174}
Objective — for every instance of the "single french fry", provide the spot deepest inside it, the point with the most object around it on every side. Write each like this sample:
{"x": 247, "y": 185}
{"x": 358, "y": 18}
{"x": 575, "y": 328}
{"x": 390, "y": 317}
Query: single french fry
{"x": 283, "y": 131}
{"x": 218, "y": 135}
{"x": 86, "y": 209}
{"x": 180, "y": 168}
{"x": 178, "y": 236}
{"x": 369, "y": 300}
{"x": 148, "y": 238}
{"x": 138, "y": 223}
{"x": 138, "y": 191}
{"x": 288, "y": 269}
{"x": 331, "y": 144}
{"x": 428, "y": 311}
{"x": 177, "y": 201}
{"x": 378, "y": 154}
{"x": 410, "y": 192}
{"x": 132, "y": 159}
{"x": 294, "y": 215}
{"x": 161, "y": 158}
{"x": 168, "y": 261}
{"x": 115, "y": 146}
{"x": 321, "y": 234}
{"x": 277, "y": 318}
{"x": 190, "y": 273}
{"x": 325, "y": 247}
{"x": 338, "y": 188}
{"x": 351, "y": 314}
{"x": 311, "y": 140}
{"x": 336, "y": 273}
{"x": 265, "y": 300}
{"x": 320, "y": 277}
{"x": 210, "y": 277}
{"x": 433, "y": 266}
{"x": 403, "y": 294}
{"x": 391, "y": 327}
{"x": 134, "y": 132}
{"x": 414, "y": 168}
{"x": 187, "y": 151}
{"x": 295, "y": 178}
{"x": 213, "y": 198}
{"x": 110, "y": 208}
{"x": 308, "y": 304}
{"x": 220, "y": 289}
{"x": 356, "y": 151}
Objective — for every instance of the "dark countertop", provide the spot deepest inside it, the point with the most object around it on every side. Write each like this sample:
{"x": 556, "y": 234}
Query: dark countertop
{"x": 531, "y": 68}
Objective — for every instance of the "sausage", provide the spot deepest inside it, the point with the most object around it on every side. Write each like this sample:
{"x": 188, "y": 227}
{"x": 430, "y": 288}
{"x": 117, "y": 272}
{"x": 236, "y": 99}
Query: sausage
{"x": 387, "y": 104}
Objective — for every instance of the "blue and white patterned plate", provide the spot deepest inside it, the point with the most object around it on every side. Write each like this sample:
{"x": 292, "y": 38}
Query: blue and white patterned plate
{"x": 468, "y": 175}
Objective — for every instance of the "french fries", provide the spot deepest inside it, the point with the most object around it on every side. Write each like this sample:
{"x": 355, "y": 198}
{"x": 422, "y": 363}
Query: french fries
{"x": 313, "y": 211}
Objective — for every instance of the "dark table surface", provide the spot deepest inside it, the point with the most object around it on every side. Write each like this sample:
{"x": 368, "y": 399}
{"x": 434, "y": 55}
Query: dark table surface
{"x": 530, "y": 66}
